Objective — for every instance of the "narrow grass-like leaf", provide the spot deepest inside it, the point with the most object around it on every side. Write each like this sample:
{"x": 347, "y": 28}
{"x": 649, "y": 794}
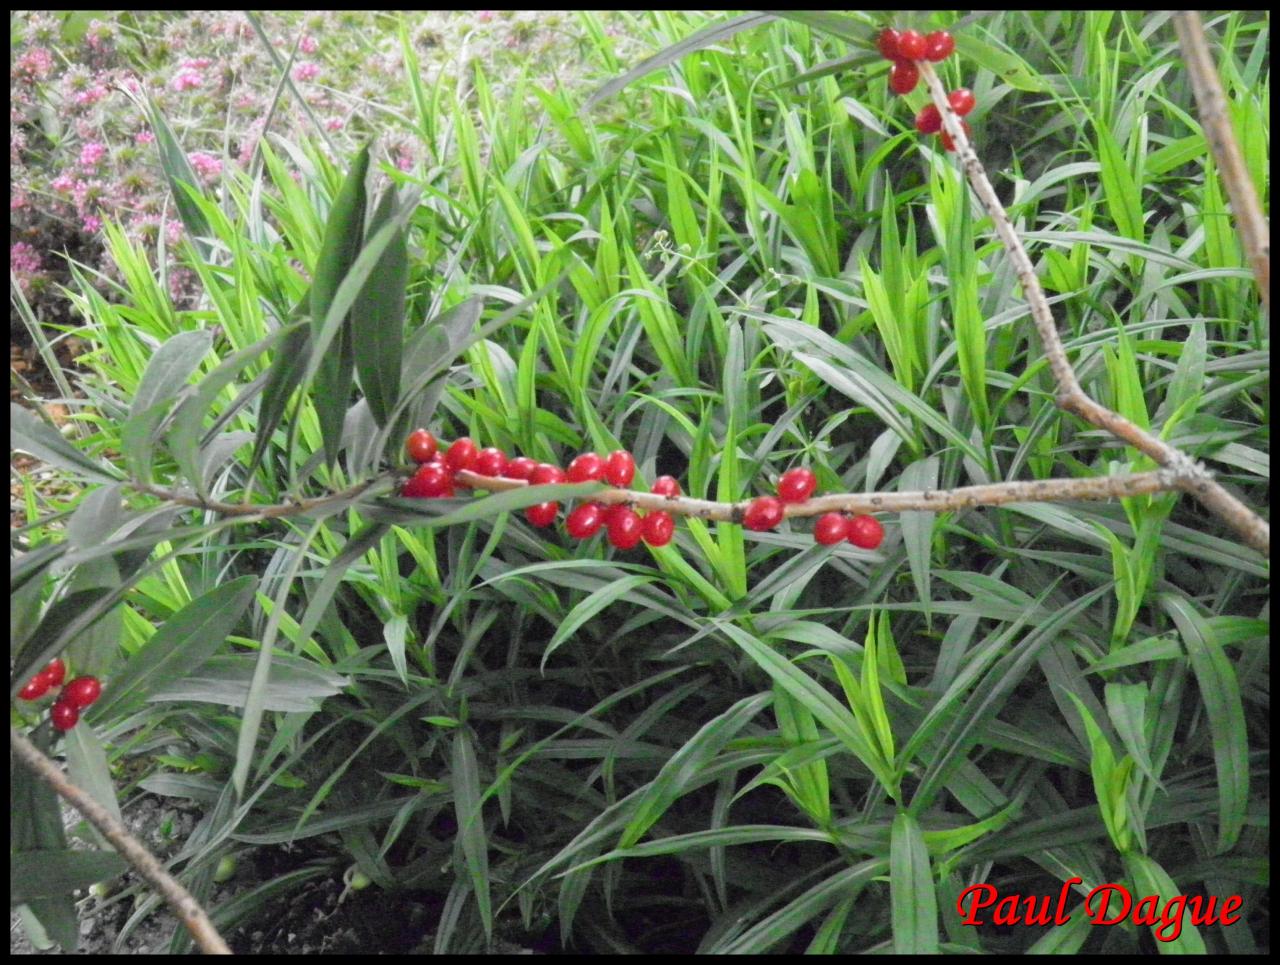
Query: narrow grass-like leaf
{"x": 703, "y": 38}
{"x": 688, "y": 762}
{"x": 1220, "y": 694}
{"x": 1150, "y": 878}
{"x": 465, "y": 781}
{"x": 911, "y": 894}
{"x": 588, "y": 608}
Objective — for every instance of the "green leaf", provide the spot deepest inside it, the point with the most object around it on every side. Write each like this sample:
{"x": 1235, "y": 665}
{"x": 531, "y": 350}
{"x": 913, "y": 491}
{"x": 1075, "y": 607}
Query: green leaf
{"x": 912, "y": 898}
{"x": 182, "y": 440}
{"x": 283, "y": 377}
{"x": 917, "y": 526}
{"x": 55, "y": 874}
{"x": 35, "y": 827}
{"x": 471, "y": 832}
{"x": 295, "y": 684}
{"x": 342, "y": 236}
{"x": 1150, "y": 878}
{"x": 588, "y": 608}
{"x": 1220, "y": 694}
{"x": 703, "y": 38}
{"x": 181, "y": 177}
{"x": 28, "y": 433}
{"x": 377, "y": 325}
{"x": 88, "y": 769}
{"x": 184, "y": 642}
{"x": 166, "y": 374}
{"x": 681, "y": 770}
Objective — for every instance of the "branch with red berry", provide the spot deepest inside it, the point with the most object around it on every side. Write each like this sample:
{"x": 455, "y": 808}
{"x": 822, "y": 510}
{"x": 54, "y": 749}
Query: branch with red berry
{"x": 842, "y": 516}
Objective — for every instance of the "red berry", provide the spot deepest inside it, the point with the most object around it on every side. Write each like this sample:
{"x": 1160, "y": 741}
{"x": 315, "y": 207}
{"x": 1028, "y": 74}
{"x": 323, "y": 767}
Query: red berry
{"x": 81, "y": 692}
{"x": 865, "y": 532}
{"x": 797, "y": 485}
{"x": 421, "y": 445}
{"x": 521, "y": 467}
{"x": 831, "y": 528}
{"x": 911, "y": 45}
{"x": 55, "y": 671}
{"x": 545, "y": 473}
{"x": 665, "y": 486}
{"x": 887, "y": 42}
{"x": 542, "y": 514}
{"x": 659, "y": 527}
{"x": 929, "y": 120}
{"x": 613, "y": 509}
{"x": 64, "y": 715}
{"x": 938, "y": 45}
{"x": 490, "y": 462}
{"x": 35, "y": 688}
{"x": 625, "y": 528}
{"x": 429, "y": 482}
{"x": 585, "y": 520}
{"x": 587, "y": 467}
{"x": 619, "y": 468}
{"x": 903, "y": 76}
{"x": 962, "y": 101}
{"x": 461, "y": 455}
{"x": 763, "y": 513}
{"x": 950, "y": 144}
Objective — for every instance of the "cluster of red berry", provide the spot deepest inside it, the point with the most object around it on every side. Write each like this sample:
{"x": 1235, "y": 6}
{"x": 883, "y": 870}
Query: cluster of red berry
{"x": 73, "y": 698}
{"x": 437, "y": 477}
{"x": 904, "y": 48}
{"x": 797, "y": 485}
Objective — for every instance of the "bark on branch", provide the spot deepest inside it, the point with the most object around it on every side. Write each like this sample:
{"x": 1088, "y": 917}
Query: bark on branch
{"x": 183, "y": 903}
{"x": 1189, "y": 476}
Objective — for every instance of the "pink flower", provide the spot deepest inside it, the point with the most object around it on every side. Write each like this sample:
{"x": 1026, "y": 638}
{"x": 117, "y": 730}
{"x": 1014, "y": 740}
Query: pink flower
{"x": 63, "y": 182}
{"x": 484, "y": 16}
{"x": 197, "y": 63}
{"x": 92, "y": 224}
{"x": 35, "y": 63}
{"x": 90, "y": 95}
{"x": 144, "y": 137}
{"x": 92, "y": 153}
{"x": 22, "y": 257}
{"x": 187, "y": 78}
{"x": 404, "y": 160}
{"x": 306, "y": 71}
{"x": 308, "y": 45}
{"x": 334, "y": 124}
{"x": 206, "y": 165}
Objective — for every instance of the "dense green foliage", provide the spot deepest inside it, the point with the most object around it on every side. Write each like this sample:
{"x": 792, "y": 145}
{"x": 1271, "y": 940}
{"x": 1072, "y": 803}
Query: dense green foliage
{"x": 740, "y": 741}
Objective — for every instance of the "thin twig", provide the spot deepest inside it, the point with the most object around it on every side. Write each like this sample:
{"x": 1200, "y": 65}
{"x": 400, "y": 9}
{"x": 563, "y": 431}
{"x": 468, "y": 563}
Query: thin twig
{"x": 183, "y": 903}
{"x": 929, "y": 500}
{"x": 270, "y": 511}
{"x": 1191, "y": 476}
{"x": 1255, "y": 233}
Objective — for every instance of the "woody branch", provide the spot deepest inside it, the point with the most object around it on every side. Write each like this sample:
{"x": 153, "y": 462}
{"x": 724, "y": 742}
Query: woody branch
{"x": 183, "y": 903}
{"x": 1187, "y": 475}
